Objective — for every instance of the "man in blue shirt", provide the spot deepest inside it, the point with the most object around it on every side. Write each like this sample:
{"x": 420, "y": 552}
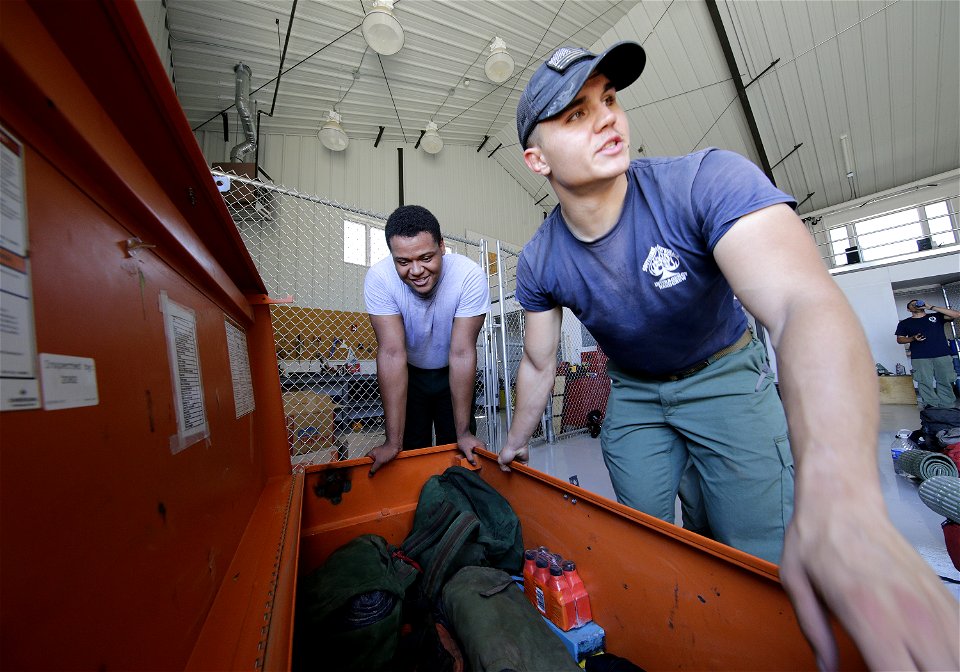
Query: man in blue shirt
{"x": 649, "y": 255}
{"x": 930, "y": 353}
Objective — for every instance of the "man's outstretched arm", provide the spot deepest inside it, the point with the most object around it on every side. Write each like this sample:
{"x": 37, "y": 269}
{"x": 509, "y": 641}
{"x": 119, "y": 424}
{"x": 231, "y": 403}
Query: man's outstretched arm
{"x": 841, "y": 553}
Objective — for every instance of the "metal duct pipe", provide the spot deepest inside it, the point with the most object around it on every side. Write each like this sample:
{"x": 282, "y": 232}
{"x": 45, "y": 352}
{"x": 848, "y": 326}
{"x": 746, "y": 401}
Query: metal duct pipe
{"x": 242, "y": 79}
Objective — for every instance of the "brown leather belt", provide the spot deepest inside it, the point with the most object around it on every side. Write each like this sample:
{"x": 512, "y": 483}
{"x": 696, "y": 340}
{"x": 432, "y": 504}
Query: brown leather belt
{"x": 739, "y": 344}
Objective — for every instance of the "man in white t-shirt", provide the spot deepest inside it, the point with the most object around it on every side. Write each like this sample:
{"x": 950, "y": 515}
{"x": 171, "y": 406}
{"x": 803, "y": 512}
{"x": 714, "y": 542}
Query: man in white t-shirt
{"x": 426, "y": 309}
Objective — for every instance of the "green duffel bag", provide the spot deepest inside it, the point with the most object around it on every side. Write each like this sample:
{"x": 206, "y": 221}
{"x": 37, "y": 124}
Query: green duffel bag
{"x": 489, "y": 533}
{"x": 497, "y": 627}
{"x": 349, "y": 611}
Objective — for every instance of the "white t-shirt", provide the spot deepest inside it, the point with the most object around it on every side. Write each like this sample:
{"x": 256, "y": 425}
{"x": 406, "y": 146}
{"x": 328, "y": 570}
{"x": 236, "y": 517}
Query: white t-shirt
{"x": 461, "y": 291}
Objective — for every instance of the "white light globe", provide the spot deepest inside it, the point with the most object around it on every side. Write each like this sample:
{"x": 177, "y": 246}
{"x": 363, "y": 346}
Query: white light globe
{"x": 431, "y": 142}
{"x": 499, "y": 65}
{"x": 381, "y": 29}
{"x": 332, "y": 136}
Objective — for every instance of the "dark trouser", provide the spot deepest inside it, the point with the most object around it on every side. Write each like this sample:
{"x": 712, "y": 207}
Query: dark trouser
{"x": 430, "y": 408}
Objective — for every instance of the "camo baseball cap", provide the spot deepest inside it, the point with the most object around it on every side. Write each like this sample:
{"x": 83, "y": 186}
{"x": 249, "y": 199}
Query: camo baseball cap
{"x": 558, "y": 80}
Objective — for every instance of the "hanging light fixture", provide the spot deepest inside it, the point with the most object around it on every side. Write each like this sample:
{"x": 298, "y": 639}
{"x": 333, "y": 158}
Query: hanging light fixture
{"x": 332, "y": 135}
{"x": 381, "y": 29}
{"x": 499, "y": 64}
{"x": 431, "y": 141}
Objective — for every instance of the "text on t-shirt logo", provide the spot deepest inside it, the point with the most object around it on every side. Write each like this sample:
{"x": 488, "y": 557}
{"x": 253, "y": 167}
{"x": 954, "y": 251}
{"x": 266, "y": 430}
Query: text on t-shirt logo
{"x": 662, "y": 263}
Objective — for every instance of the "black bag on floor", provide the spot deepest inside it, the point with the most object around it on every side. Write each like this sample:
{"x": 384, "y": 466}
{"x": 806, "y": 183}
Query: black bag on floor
{"x": 933, "y": 420}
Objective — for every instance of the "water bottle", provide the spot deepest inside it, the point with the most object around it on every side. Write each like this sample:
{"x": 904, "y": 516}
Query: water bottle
{"x": 901, "y": 442}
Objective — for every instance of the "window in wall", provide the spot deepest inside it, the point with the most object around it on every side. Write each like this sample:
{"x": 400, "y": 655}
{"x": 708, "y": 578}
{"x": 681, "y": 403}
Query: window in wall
{"x": 889, "y": 235}
{"x": 363, "y": 244}
{"x": 941, "y": 227}
{"x": 378, "y": 245}
{"x": 354, "y": 243}
{"x": 839, "y": 242}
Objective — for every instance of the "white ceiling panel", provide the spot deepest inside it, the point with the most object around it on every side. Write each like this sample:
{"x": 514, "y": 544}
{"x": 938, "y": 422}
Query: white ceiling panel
{"x": 884, "y": 72}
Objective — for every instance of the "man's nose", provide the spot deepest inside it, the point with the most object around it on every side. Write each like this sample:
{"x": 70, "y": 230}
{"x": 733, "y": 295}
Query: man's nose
{"x": 604, "y": 117}
{"x": 416, "y": 268}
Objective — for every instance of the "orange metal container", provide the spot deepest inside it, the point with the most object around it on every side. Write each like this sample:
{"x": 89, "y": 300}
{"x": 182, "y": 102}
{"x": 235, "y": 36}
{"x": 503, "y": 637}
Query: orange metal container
{"x": 667, "y": 598}
{"x": 121, "y": 553}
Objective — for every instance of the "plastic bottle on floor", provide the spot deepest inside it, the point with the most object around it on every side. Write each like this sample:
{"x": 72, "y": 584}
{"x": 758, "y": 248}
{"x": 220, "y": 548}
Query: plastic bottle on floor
{"x": 901, "y": 443}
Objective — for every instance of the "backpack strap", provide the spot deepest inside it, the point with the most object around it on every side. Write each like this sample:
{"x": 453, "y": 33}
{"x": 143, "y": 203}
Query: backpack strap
{"x": 461, "y": 529}
{"x": 445, "y": 531}
{"x": 437, "y": 523}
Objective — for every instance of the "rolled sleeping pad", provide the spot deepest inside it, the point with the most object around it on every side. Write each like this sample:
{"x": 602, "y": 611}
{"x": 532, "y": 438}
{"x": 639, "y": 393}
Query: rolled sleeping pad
{"x": 942, "y": 495}
{"x": 923, "y": 464}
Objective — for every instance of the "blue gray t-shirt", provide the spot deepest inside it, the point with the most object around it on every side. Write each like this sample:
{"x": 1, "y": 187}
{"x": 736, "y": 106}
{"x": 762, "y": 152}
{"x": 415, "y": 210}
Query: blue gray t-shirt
{"x": 650, "y": 290}
{"x": 461, "y": 291}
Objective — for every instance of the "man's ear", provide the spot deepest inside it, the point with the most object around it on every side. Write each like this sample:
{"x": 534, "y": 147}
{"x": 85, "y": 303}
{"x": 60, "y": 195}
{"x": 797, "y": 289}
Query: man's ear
{"x": 536, "y": 161}
{"x": 443, "y": 248}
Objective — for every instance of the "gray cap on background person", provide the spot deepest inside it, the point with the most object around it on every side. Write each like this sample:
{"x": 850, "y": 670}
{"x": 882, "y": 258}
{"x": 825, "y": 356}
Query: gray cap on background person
{"x": 558, "y": 80}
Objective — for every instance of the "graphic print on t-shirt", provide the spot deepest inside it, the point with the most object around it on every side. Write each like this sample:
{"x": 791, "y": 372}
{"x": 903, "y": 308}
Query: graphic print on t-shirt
{"x": 661, "y": 263}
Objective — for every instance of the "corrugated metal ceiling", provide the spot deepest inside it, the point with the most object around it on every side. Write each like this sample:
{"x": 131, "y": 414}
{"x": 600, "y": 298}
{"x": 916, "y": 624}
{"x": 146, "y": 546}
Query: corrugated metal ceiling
{"x": 886, "y": 74}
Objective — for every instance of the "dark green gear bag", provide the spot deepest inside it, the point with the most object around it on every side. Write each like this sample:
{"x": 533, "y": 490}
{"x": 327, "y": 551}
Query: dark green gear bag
{"x": 497, "y": 626}
{"x": 482, "y": 527}
{"x": 349, "y": 611}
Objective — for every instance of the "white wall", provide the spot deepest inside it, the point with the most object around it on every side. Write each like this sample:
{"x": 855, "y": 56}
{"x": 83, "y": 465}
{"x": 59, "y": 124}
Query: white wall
{"x": 871, "y": 294}
{"x": 464, "y": 188}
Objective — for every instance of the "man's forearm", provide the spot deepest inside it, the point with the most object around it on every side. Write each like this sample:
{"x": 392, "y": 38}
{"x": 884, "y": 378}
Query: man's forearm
{"x": 463, "y": 369}
{"x": 829, "y": 385}
{"x": 946, "y": 312}
{"x": 392, "y": 380}
{"x": 533, "y": 388}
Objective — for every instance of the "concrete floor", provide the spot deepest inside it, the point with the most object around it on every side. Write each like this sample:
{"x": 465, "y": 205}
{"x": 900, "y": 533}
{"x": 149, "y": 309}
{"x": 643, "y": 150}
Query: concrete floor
{"x": 580, "y": 455}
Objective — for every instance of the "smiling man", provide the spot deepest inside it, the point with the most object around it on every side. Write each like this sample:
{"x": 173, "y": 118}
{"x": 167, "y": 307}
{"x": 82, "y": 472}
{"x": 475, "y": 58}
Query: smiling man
{"x": 426, "y": 308}
{"x": 654, "y": 256}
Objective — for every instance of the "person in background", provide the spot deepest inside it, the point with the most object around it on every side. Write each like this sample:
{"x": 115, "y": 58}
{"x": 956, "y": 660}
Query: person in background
{"x": 930, "y": 353}
{"x": 426, "y": 308}
{"x": 649, "y": 255}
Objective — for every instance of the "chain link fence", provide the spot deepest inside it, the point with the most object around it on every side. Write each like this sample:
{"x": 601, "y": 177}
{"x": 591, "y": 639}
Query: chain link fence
{"x": 313, "y": 255}
{"x": 316, "y": 252}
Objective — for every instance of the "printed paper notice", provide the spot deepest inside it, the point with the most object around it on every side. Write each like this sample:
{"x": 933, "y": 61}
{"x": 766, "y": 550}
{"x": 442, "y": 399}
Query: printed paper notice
{"x": 180, "y": 325}
{"x": 239, "y": 368}
{"x": 68, "y": 382}
{"x": 19, "y": 387}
